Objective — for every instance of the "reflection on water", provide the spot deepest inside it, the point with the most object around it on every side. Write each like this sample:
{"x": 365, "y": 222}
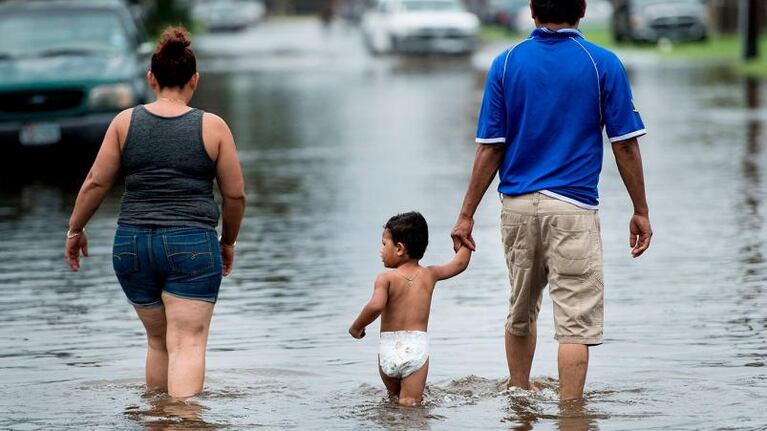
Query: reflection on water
{"x": 332, "y": 144}
{"x": 163, "y": 413}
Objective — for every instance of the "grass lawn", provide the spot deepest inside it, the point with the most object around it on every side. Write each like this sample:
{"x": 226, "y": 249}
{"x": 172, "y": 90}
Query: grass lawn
{"x": 722, "y": 49}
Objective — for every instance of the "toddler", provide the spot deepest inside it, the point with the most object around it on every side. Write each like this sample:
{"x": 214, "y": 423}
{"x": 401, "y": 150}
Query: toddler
{"x": 403, "y": 297}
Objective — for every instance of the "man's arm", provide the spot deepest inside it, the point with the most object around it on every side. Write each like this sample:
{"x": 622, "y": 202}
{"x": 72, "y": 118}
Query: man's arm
{"x": 629, "y": 161}
{"x": 486, "y": 163}
{"x": 373, "y": 308}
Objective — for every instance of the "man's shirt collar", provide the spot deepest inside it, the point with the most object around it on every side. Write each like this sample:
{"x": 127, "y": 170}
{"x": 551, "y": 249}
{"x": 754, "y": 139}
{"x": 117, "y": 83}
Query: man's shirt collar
{"x": 545, "y": 33}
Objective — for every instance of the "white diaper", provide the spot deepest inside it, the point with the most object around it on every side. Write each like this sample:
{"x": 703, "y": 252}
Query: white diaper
{"x": 402, "y": 353}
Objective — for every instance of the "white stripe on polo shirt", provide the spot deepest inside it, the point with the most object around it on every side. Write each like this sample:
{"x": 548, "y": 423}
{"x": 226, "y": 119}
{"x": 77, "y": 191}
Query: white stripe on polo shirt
{"x": 596, "y": 69}
{"x": 634, "y": 134}
{"x": 500, "y": 140}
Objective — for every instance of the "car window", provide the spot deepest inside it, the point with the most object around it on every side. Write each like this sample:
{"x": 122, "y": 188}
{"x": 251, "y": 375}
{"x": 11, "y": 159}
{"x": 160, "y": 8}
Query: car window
{"x": 49, "y": 33}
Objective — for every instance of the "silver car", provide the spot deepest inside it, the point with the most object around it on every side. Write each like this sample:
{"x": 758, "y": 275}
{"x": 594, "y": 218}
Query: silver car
{"x": 652, "y": 20}
{"x": 420, "y": 26}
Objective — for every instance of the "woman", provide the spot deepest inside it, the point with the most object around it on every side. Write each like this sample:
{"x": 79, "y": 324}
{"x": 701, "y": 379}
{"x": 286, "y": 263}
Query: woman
{"x": 166, "y": 254}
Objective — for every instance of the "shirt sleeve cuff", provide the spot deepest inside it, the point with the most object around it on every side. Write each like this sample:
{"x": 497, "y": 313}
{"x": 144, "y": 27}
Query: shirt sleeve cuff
{"x": 633, "y": 134}
{"x": 490, "y": 140}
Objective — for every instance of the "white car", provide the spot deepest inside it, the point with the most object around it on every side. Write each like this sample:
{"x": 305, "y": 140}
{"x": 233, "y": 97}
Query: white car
{"x": 231, "y": 15}
{"x": 442, "y": 26}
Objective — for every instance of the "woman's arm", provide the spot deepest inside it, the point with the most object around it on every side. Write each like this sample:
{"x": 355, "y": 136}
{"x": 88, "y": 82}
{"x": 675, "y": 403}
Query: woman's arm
{"x": 373, "y": 308}
{"x": 97, "y": 184}
{"x": 232, "y": 187}
{"x": 454, "y": 267}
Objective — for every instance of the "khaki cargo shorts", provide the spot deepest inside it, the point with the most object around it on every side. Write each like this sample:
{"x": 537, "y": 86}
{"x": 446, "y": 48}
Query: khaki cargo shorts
{"x": 549, "y": 241}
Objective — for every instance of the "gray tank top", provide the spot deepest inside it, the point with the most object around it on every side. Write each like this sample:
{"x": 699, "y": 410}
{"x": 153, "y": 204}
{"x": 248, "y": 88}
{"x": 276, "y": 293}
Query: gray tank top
{"x": 168, "y": 174}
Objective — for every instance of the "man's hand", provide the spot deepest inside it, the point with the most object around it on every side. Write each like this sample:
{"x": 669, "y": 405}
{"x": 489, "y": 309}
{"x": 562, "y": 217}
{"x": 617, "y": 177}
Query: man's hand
{"x": 356, "y": 332}
{"x": 640, "y": 233}
{"x": 461, "y": 234}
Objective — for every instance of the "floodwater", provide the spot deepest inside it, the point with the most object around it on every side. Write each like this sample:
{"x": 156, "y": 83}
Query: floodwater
{"x": 333, "y": 142}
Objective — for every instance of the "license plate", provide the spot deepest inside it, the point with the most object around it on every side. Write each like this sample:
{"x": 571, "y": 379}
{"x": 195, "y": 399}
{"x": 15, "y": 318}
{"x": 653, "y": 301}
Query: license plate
{"x": 40, "y": 134}
{"x": 449, "y": 45}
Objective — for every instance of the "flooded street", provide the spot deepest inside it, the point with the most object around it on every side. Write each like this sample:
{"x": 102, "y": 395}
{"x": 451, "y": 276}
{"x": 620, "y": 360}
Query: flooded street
{"x": 333, "y": 142}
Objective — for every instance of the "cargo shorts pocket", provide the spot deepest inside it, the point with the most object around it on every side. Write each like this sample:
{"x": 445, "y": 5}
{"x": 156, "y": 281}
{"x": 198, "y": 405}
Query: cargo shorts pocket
{"x": 125, "y": 254}
{"x": 189, "y": 253}
{"x": 574, "y": 242}
{"x": 515, "y": 237}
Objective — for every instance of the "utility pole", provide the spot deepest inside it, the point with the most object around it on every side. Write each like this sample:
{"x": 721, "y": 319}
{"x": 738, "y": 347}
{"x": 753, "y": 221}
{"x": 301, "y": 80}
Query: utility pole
{"x": 749, "y": 28}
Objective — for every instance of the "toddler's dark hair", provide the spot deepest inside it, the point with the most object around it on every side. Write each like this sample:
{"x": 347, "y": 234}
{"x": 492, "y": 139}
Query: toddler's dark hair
{"x": 173, "y": 61}
{"x": 410, "y": 229}
{"x": 558, "y": 11}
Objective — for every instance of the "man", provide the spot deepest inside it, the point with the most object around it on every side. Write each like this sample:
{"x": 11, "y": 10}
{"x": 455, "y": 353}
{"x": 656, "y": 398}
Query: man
{"x": 546, "y": 101}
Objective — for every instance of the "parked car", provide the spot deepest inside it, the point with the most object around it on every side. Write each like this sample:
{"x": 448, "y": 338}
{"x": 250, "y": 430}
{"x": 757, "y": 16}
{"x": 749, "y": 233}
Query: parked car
{"x": 440, "y": 26}
{"x": 515, "y": 15}
{"x": 652, "y": 20}
{"x": 66, "y": 69}
{"x": 228, "y": 15}
{"x": 507, "y": 14}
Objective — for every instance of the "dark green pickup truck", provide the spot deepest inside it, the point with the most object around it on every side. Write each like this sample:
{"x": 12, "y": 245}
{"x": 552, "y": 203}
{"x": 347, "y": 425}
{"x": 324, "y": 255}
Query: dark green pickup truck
{"x": 66, "y": 69}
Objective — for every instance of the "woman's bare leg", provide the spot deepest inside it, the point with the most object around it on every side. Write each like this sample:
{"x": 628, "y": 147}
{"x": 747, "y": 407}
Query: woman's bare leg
{"x": 187, "y": 337}
{"x": 157, "y": 353}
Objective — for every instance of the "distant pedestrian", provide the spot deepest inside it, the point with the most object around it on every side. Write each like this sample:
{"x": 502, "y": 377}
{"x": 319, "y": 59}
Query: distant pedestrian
{"x": 327, "y": 12}
{"x": 166, "y": 255}
{"x": 546, "y": 101}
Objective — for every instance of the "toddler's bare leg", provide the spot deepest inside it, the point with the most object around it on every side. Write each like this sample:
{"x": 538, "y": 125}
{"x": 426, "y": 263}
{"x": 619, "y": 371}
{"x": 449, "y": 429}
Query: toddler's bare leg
{"x": 392, "y": 384}
{"x": 413, "y": 386}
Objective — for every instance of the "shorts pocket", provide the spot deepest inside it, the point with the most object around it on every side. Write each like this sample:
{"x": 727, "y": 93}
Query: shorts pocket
{"x": 574, "y": 243}
{"x": 189, "y": 253}
{"x": 125, "y": 254}
{"x": 515, "y": 237}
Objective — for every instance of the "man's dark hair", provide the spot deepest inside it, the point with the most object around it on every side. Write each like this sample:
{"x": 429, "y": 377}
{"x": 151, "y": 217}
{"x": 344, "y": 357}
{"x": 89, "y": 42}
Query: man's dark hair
{"x": 411, "y": 230}
{"x": 558, "y": 11}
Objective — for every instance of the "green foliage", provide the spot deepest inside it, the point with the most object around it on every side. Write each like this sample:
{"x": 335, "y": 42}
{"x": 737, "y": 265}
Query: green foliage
{"x": 724, "y": 49}
{"x": 168, "y": 12}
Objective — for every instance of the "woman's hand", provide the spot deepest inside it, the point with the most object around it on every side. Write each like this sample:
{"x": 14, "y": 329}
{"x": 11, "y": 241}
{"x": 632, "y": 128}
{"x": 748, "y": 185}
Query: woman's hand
{"x": 227, "y": 258}
{"x": 75, "y": 244}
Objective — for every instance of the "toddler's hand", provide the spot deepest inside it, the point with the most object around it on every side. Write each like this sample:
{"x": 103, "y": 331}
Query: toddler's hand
{"x": 356, "y": 333}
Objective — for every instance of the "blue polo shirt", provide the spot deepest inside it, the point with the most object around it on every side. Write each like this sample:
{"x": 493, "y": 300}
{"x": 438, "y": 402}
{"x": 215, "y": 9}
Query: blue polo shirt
{"x": 547, "y": 99}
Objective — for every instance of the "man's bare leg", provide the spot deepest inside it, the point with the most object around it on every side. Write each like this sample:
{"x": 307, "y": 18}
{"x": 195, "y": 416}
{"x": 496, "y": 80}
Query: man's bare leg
{"x": 573, "y": 364}
{"x": 519, "y": 355}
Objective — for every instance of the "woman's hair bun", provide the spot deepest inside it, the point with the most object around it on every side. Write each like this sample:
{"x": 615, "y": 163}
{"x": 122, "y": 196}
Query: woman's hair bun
{"x": 173, "y": 61}
{"x": 173, "y": 42}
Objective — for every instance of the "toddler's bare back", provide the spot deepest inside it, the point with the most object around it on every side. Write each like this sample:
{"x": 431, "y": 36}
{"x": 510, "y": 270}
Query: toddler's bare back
{"x": 409, "y": 300}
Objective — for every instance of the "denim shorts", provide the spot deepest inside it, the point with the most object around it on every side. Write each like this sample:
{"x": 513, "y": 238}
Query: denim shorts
{"x": 181, "y": 261}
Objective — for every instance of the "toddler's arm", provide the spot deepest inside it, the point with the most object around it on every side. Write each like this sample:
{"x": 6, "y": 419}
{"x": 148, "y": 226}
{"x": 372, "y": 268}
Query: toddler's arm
{"x": 373, "y": 308}
{"x": 454, "y": 267}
